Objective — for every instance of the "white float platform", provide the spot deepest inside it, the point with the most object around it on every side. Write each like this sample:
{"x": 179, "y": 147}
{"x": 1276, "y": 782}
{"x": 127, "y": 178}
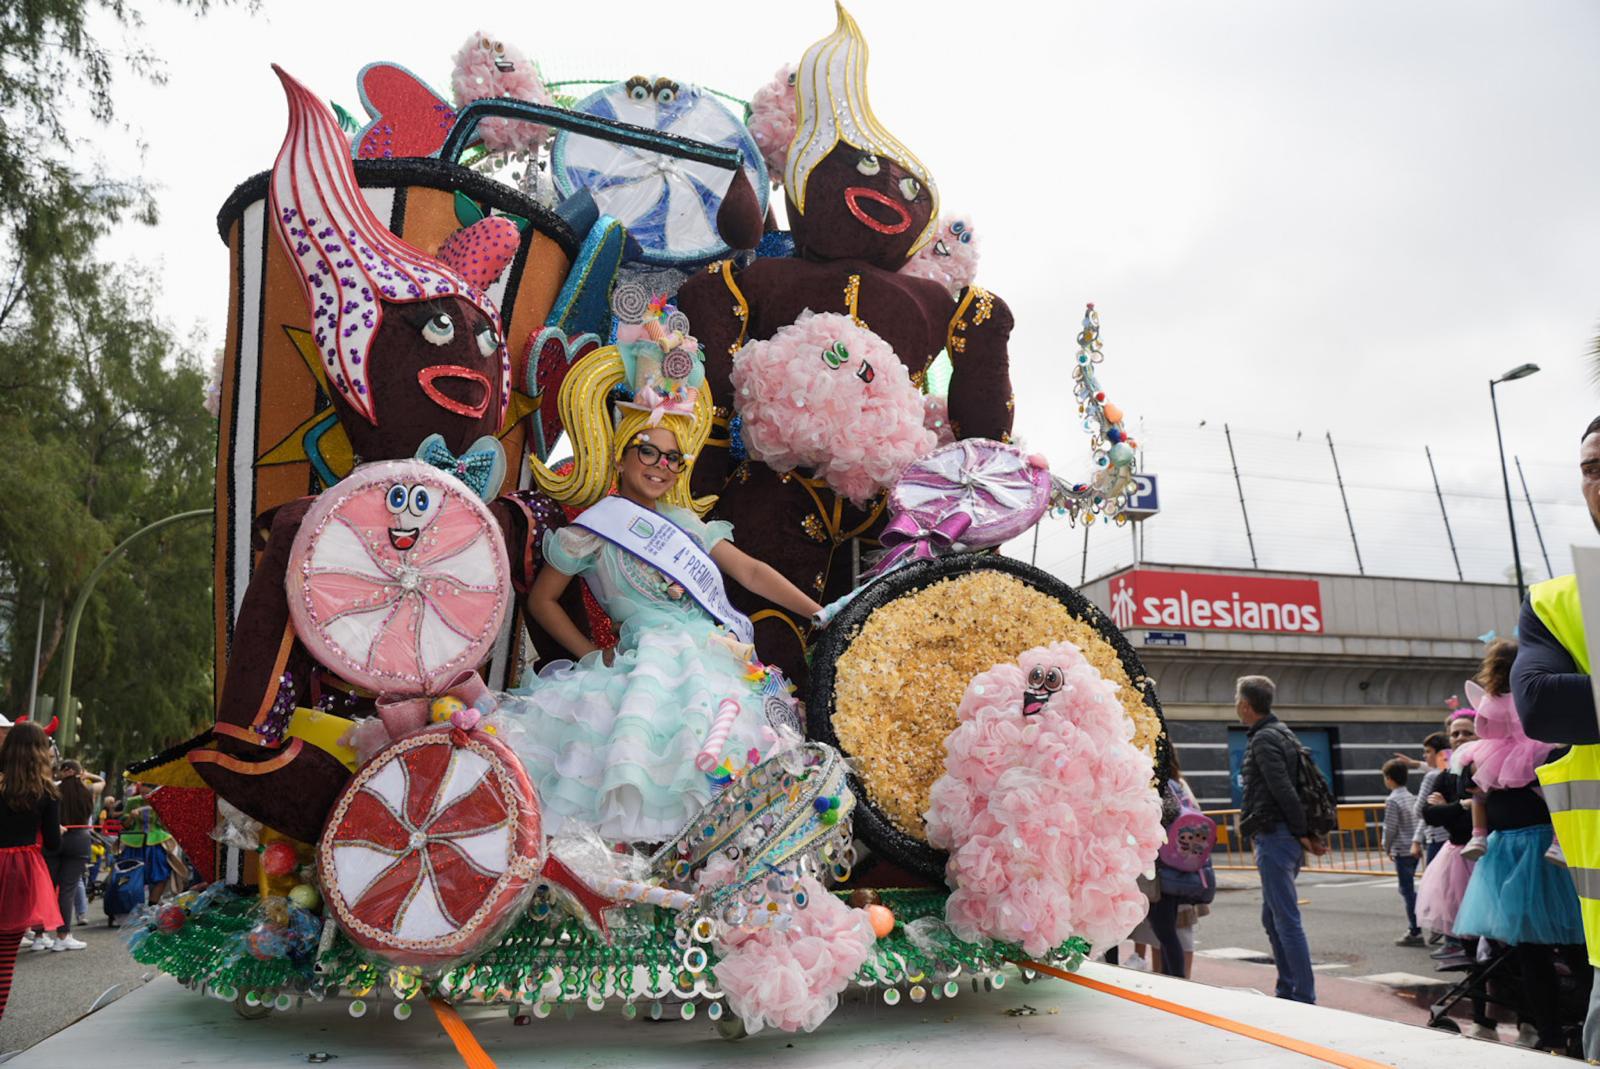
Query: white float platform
{"x": 163, "y": 1025}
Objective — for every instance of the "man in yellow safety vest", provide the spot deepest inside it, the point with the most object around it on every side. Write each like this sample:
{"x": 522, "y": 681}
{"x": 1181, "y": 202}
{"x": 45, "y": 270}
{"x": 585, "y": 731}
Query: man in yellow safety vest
{"x": 1550, "y": 682}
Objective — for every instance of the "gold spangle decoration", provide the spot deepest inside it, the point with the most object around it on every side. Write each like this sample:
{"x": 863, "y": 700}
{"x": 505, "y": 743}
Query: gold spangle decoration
{"x": 898, "y": 684}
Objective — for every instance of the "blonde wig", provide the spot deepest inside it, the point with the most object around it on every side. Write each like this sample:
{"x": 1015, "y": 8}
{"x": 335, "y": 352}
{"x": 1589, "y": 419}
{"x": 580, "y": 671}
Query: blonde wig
{"x": 598, "y": 439}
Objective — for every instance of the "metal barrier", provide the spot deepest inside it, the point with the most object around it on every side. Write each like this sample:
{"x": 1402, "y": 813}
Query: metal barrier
{"x": 1354, "y": 848}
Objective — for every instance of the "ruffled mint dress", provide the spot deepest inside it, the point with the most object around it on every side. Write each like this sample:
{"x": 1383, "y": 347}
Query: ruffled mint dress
{"x": 612, "y": 747}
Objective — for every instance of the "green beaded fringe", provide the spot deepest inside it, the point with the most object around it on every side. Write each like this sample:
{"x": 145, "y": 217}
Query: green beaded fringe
{"x": 541, "y": 960}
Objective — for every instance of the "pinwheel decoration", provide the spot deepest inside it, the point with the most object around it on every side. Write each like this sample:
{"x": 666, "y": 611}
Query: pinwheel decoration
{"x": 433, "y": 847}
{"x": 398, "y": 579}
{"x": 668, "y": 205}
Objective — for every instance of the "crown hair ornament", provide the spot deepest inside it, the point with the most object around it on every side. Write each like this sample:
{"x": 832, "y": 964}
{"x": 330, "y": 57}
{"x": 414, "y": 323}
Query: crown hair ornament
{"x": 662, "y": 362}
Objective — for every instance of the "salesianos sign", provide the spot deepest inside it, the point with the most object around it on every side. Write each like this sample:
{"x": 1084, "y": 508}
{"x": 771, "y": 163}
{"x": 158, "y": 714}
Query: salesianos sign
{"x": 1204, "y": 601}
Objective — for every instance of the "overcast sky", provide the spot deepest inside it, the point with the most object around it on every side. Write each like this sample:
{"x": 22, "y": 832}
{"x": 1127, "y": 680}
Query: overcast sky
{"x": 1294, "y": 217}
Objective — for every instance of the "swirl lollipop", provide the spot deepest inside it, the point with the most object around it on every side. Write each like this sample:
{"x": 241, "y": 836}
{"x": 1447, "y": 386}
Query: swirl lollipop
{"x": 434, "y": 846}
{"x": 398, "y": 579}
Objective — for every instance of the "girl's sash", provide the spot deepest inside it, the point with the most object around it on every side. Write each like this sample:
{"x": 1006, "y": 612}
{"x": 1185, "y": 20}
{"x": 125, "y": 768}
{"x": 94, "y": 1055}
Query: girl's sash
{"x": 670, "y": 550}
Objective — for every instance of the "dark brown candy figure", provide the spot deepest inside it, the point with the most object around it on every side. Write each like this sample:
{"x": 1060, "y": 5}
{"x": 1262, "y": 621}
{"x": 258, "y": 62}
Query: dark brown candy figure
{"x": 860, "y": 205}
{"x": 412, "y": 347}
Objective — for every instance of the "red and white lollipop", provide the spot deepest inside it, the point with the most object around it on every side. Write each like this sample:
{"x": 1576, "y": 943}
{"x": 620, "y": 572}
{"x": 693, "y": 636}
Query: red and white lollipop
{"x": 398, "y": 579}
{"x": 434, "y": 845}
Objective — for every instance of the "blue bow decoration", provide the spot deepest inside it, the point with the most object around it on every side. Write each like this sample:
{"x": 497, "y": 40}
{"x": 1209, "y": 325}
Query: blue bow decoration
{"x": 482, "y": 467}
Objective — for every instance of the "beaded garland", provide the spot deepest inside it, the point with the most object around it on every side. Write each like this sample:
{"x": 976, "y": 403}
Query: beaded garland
{"x": 550, "y": 959}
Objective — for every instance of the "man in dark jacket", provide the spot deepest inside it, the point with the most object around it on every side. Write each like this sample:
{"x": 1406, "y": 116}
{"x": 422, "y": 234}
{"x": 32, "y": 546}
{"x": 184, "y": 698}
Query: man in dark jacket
{"x": 1550, "y": 684}
{"x": 1275, "y": 819}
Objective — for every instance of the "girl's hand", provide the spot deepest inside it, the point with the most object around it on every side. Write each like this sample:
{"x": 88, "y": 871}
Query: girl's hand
{"x": 609, "y": 656}
{"x": 1436, "y": 799}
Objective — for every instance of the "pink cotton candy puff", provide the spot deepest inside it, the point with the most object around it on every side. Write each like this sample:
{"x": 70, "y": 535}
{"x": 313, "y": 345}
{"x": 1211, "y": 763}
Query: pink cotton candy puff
{"x": 772, "y": 120}
{"x": 1049, "y": 819}
{"x": 798, "y": 412}
{"x": 476, "y": 76}
{"x": 947, "y": 259}
{"x": 791, "y": 979}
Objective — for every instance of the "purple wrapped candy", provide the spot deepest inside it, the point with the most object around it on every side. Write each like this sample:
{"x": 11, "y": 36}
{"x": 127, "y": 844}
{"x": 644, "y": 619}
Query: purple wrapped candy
{"x": 970, "y": 494}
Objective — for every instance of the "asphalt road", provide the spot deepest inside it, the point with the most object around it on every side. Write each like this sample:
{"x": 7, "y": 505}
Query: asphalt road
{"x": 1351, "y": 923}
{"x": 51, "y": 989}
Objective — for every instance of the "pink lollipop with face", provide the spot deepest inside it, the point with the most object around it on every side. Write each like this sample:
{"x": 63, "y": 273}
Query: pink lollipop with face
{"x": 398, "y": 579}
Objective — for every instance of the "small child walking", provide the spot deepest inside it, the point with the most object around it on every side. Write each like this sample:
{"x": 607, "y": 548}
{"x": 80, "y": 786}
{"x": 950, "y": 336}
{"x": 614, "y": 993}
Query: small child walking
{"x": 1399, "y": 826}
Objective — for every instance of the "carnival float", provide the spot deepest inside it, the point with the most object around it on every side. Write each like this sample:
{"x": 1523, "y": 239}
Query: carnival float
{"x": 886, "y": 758}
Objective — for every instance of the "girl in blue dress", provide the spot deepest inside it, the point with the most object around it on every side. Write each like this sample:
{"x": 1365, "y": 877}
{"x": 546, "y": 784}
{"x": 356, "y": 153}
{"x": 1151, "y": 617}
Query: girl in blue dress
{"x": 612, "y": 741}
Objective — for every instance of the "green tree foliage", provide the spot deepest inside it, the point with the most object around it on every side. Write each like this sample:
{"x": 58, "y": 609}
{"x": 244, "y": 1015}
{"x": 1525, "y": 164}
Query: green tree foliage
{"x": 100, "y": 403}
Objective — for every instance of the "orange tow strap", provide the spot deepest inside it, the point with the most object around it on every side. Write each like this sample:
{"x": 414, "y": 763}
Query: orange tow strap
{"x": 1310, "y": 1050}
{"x": 472, "y": 1055}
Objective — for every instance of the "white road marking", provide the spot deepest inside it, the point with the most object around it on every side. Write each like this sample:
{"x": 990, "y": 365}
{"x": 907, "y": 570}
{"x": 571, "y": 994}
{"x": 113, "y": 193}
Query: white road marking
{"x": 1232, "y": 953}
{"x": 1403, "y": 979}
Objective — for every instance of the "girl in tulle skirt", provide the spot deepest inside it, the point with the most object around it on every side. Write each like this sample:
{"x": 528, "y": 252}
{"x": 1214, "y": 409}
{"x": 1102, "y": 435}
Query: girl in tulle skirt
{"x": 29, "y": 814}
{"x": 1504, "y": 756}
{"x": 1444, "y": 882}
{"x": 1517, "y": 895}
{"x": 631, "y": 742}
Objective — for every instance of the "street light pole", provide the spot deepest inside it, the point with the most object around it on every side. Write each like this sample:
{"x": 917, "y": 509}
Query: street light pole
{"x": 1521, "y": 371}
{"x": 69, "y": 641}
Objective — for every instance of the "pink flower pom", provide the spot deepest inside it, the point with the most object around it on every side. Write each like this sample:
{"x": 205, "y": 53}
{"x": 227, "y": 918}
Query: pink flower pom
{"x": 772, "y": 121}
{"x": 1049, "y": 819}
{"x": 857, "y": 425}
{"x": 716, "y": 872}
{"x": 791, "y": 979}
{"x": 951, "y": 258}
{"x": 486, "y": 67}
{"x": 936, "y": 417}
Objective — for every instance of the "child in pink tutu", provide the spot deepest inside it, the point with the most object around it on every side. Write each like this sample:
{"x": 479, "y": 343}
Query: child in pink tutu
{"x": 1444, "y": 882}
{"x": 29, "y": 813}
{"x": 1503, "y": 757}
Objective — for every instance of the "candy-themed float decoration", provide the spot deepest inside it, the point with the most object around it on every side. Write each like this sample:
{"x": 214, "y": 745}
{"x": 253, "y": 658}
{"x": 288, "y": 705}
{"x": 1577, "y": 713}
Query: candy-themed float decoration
{"x": 1105, "y": 492}
{"x": 433, "y": 848}
{"x": 1044, "y": 806}
{"x": 432, "y": 876}
{"x": 399, "y": 579}
{"x": 892, "y": 666}
{"x": 670, "y": 207}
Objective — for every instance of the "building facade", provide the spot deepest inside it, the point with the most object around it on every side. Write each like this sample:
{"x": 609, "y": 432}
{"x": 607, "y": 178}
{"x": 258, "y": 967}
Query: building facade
{"x": 1364, "y": 666}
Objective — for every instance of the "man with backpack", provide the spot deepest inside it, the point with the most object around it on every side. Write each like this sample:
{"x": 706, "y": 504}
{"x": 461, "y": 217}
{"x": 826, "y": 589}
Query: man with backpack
{"x": 1277, "y": 817}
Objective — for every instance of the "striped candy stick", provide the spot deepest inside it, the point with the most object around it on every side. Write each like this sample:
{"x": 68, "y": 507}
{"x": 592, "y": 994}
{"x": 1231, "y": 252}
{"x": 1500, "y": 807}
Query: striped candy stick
{"x": 649, "y": 893}
{"x": 711, "y": 752}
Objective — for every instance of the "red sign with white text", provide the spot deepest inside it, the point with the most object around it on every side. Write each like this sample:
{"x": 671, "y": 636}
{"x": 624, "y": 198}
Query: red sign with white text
{"x": 1201, "y": 601}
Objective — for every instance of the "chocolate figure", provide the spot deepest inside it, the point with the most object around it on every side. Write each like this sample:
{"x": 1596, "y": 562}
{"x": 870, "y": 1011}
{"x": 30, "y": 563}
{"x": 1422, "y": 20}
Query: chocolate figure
{"x": 860, "y": 204}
